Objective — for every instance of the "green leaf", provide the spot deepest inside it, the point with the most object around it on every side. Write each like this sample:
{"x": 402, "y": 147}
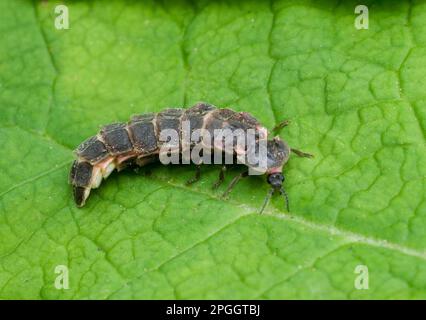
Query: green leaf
{"x": 356, "y": 99}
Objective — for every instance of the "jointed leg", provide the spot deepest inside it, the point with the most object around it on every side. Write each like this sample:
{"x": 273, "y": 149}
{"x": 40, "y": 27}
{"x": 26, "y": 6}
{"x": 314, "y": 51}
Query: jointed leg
{"x": 196, "y": 177}
{"x": 221, "y": 178}
{"x": 234, "y": 182}
{"x": 281, "y": 125}
{"x": 301, "y": 153}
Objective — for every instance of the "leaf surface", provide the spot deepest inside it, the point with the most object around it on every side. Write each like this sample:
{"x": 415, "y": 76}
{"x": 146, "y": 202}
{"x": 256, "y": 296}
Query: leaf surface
{"x": 356, "y": 99}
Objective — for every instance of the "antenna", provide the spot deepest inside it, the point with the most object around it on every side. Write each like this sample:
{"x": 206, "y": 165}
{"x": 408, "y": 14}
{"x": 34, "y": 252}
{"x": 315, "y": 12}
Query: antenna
{"x": 282, "y": 191}
{"x": 268, "y": 197}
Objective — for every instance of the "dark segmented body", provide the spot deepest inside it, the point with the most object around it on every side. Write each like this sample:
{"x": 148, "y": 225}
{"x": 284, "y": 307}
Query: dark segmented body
{"x": 137, "y": 141}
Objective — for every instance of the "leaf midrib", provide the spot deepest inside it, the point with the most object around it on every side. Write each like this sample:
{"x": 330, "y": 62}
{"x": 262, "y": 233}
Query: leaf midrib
{"x": 351, "y": 237}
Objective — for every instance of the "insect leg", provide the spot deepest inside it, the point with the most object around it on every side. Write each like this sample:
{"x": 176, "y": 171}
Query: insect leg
{"x": 196, "y": 177}
{"x": 234, "y": 182}
{"x": 302, "y": 154}
{"x": 281, "y": 125}
{"x": 221, "y": 178}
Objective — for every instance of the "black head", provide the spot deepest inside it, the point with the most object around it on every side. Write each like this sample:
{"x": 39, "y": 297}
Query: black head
{"x": 276, "y": 181}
